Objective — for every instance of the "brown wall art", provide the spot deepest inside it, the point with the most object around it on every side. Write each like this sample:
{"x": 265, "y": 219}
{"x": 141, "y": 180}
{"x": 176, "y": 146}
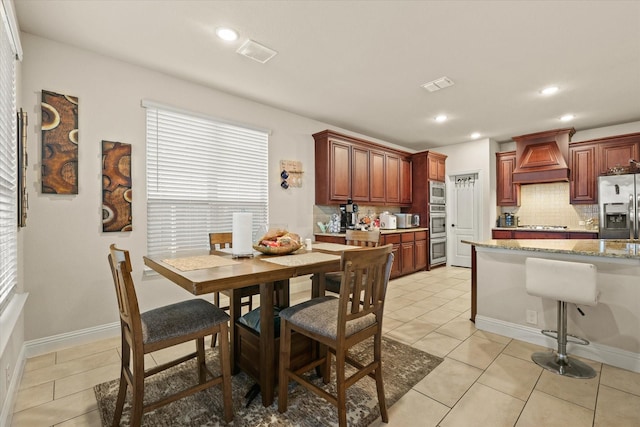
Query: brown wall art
{"x": 59, "y": 143}
{"x": 116, "y": 186}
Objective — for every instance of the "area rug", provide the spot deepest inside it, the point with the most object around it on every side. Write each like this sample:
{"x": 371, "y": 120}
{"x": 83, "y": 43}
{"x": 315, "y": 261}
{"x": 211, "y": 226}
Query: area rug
{"x": 402, "y": 366}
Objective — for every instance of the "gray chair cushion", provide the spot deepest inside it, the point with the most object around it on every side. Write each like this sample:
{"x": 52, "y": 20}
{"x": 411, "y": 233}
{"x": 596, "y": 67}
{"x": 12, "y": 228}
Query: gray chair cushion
{"x": 179, "y": 319}
{"x": 320, "y": 315}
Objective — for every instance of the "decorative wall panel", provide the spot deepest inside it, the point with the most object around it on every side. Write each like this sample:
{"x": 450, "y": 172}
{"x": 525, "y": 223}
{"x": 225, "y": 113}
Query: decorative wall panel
{"x": 59, "y": 143}
{"x": 116, "y": 186}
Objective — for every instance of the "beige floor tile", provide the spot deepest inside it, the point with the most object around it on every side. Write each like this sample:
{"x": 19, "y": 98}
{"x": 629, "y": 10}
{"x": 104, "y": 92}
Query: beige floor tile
{"x": 477, "y": 351}
{"x": 620, "y": 379}
{"x": 431, "y": 303}
{"x": 414, "y": 409}
{"x": 439, "y": 316}
{"x": 449, "y": 381}
{"x": 90, "y": 419}
{"x": 407, "y": 313}
{"x": 484, "y": 406}
{"x": 522, "y": 350}
{"x": 61, "y": 370}
{"x": 396, "y": 304}
{"x": 511, "y": 375}
{"x": 437, "y": 286}
{"x": 33, "y": 396}
{"x": 413, "y": 286}
{"x": 465, "y": 315}
{"x": 39, "y": 362}
{"x": 437, "y": 344}
{"x": 56, "y": 411}
{"x": 548, "y": 411}
{"x": 411, "y": 332}
{"x": 389, "y": 324}
{"x": 417, "y": 295}
{"x": 492, "y": 337}
{"x": 616, "y": 408}
{"x": 449, "y": 294}
{"x": 88, "y": 349}
{"x": 395, "y": 293}
{"x": 582, "y": 392}
{"x": 84, "y": 380}
{"x": 174, "y": 352}
{"x": 458, "y": 328}
{"x": 458, "y": 304}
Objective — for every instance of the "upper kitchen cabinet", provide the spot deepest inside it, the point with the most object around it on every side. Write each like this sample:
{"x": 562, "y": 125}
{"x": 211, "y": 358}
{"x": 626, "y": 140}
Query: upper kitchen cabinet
{"x": 436, "y": 167}
{"x": 616, "y": 151}
{"x": 508, "y": 193}
{"x": 425, "y": 166}
{"x": 582, "y": 180}
{"x": 352, "y": 168}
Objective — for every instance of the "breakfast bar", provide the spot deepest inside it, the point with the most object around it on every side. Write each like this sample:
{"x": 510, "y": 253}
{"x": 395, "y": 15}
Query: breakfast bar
{"x": 500, "y": 302}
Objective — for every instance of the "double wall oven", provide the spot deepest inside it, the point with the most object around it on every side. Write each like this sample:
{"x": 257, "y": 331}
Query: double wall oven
{"x": 437, "y": 224}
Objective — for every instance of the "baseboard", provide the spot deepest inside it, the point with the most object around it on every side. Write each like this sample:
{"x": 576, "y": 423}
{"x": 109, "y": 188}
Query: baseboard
{"x": 594, "y": 351}
{"x": 70, "y": 339}
{"x": 12, "y": 391}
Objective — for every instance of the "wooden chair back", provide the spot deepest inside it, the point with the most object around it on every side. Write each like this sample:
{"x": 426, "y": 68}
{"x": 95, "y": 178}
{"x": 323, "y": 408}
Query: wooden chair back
{"x": 363, "y": 238}
{"x": 130, "y": 322}
{"x": 220, "y": 240}
{"x": 368, "y": 271}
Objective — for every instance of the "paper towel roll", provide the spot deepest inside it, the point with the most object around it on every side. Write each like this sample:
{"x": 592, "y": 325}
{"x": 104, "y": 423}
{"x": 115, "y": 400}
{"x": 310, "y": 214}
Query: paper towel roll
{"x": 242, "y": 234}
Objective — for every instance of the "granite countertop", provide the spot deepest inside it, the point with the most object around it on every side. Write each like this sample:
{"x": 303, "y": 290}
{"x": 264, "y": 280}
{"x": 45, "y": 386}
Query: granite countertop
{"x": 399, "y": 230}
{"x": 548, "y": 230}
{"x": 612, "y": 248}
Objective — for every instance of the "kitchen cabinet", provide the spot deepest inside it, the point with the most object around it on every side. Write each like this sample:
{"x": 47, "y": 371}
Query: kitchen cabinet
{"x": 348, "y": 167}
{"x": 583, "y": 187}
{"x": 408, "y": 253}
{"x": 425, "y": 164}
{"x": 436, "y": 166}
{"x": 541, "y": 234}
{"x": 616, "y": 151}
{"x": 508, "y": 193}
{"x": 395, "y": 240}
{"x": 421, "y": 250}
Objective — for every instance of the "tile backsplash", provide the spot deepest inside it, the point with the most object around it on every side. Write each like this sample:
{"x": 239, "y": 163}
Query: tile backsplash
{"x": 548, "y": 204}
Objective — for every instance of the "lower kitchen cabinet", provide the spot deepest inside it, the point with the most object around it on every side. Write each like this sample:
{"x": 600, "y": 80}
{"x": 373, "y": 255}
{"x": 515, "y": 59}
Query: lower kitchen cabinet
{"x": 422, "y": 248}
{"x": 395, "y": 240}
{"x": 408, "y": 253}
{"x": 526, "y": 234}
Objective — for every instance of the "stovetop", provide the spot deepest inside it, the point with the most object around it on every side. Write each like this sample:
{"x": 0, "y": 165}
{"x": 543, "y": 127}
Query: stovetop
{"x": 543, "y": 227}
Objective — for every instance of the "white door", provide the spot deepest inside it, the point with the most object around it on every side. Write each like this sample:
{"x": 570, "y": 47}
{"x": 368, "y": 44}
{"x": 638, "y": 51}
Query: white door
{"x": 465, "y": 217}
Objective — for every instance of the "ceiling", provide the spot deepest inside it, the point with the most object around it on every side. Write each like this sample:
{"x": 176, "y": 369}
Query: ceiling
{"x": 359, "y": 65}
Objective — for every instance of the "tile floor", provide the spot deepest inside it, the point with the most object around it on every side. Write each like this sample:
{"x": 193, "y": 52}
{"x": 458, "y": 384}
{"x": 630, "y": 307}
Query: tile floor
{"x": 485, "y": 379}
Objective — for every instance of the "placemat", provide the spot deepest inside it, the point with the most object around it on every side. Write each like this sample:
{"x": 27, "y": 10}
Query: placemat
{"x": 199, "y": 262}
{"x": 334, "y": 247}
{"x": 302, "y": 259}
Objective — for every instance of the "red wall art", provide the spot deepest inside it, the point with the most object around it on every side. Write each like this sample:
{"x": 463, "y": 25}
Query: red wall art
{"x": 59, "y": 143}
{"x": 116, "y": 186}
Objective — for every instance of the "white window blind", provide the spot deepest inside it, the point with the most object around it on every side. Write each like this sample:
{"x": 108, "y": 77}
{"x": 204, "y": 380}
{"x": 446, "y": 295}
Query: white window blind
{"x": 199, "y": 172}
{"x": 8, "y": 166}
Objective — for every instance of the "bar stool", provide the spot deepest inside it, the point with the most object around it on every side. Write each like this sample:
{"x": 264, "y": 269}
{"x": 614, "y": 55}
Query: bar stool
{"x": 566, "y": 282}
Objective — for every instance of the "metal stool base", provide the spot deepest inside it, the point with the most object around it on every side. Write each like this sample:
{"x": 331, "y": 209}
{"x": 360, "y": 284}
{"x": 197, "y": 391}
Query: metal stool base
{"x": 567, "y": 366}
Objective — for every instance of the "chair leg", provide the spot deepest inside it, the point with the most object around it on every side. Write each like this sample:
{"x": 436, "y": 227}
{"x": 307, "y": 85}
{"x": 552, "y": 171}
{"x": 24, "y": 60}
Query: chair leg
{"x": 122, "y": 393}
{"x": 377, "y": 356}
{"x": 216, "y": 301}
{"x": 225, "y": 367}
{"x": 202, "y": 369}
{"x": 324, "y": 352}
{"x": 341, "y": 387}
{"x": 137, "y": 405}
{"x": 250, "y": 302}
{"x": 285, "y": 355}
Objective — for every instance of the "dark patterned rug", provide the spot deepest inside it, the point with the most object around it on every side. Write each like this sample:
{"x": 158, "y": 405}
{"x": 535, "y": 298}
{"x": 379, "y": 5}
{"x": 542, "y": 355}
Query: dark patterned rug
{"x": 402, "y": 367}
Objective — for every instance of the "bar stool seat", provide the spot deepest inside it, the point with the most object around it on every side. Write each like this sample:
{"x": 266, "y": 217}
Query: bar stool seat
{"x": 566, "y": 282}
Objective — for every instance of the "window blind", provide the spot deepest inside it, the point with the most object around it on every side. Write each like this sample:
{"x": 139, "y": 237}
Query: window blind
{"x": 8, "y": 166}
{"x": 199, "y": 172}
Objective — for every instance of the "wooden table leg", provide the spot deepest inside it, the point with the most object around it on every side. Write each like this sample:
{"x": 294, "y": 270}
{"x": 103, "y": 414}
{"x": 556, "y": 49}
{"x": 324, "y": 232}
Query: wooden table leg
{"x": 267, "y": 339}
{"x": 235, "y": 312}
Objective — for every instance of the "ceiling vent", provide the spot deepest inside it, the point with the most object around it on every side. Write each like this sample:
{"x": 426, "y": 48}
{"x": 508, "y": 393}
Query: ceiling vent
{"x": 256, "y": 51}
{"x": 438, "y": 84}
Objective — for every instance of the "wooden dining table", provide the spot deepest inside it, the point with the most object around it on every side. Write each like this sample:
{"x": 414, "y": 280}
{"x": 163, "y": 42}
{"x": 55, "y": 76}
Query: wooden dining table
{"x": 203, "y": 272}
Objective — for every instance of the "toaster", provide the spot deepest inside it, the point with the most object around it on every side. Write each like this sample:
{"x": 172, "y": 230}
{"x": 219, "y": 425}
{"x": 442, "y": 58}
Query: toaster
{"x": 388, "y": 221}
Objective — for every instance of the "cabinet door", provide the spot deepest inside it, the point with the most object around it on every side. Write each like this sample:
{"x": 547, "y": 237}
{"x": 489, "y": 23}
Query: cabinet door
{"x": 408, "y": 259}
{"x": 405, "y": 182}
{"x": 359, "y": 174}
{"x": 397, "y": 253}
{"x": 508, "y": 193}
{"x": 392, "y": 179}
{"x": 421, "y": 254}
{"x": 617, "y": 154}
{"x": 538, "y": 235}
{"x": 376, "y": 176}
{"x": 340, "y": 171}
{"x": 501, "y": 234}
{"x": 436, "y": 167}
{"x": 582, "y": 181}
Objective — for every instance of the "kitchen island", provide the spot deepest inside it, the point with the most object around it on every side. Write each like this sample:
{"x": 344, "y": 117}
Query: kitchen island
{"x": 500, "y": 302}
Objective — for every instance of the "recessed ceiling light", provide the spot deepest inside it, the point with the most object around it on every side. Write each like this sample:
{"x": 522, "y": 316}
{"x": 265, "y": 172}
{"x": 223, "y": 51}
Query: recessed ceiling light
{"x": 475, "y": 135}
{"x": 227, "y": 34}
{"x": 567, "y": 117}
{"x": 441, "y": 118}
{"x": 550, "y": 90}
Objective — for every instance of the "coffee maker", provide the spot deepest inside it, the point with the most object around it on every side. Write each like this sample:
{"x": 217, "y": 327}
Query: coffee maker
{"x": 348, "y": 216}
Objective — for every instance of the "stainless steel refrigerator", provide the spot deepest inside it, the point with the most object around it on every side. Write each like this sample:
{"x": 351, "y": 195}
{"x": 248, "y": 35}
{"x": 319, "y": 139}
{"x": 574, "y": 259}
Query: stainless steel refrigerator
{"x": 619, "y": 200}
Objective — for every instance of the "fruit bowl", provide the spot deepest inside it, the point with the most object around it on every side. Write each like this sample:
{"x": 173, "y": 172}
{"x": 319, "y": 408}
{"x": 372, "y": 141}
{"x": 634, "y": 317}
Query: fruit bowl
{"x": 277, "y": 250}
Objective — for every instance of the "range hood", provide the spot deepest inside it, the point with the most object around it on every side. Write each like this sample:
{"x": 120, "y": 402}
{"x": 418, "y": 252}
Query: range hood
{"x": 542, "y": 157}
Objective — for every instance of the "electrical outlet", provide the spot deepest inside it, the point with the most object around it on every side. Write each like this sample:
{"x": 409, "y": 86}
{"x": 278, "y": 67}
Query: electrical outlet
{"x": 532, "y": 317}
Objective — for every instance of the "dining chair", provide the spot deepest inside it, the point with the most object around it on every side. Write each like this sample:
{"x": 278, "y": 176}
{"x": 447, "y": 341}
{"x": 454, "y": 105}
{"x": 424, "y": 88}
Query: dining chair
{"x": 355, "y": 238}
{"x": 159, "y": 328}
{"x": 338, "y": 324}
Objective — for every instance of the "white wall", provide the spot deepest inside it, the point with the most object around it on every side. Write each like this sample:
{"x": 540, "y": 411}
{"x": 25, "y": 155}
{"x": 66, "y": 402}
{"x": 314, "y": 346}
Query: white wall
{"x": 65, "y": 264}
